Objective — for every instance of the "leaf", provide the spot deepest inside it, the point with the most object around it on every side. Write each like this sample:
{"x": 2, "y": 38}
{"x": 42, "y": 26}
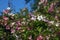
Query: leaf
{"x": 39, "y": 29}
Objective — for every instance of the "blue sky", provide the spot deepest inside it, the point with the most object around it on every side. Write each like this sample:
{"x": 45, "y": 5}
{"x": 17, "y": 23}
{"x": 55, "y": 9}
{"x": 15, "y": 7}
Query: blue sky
{"x": 19, "y": 4}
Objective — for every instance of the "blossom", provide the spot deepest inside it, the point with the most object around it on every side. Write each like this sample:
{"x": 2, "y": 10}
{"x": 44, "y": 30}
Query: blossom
{"x": 57, "y": 11}
{"x": 28, "y": 20}
{"x": 18, "y": 28}
{"x": 45, "y": 20}
{"x": 40, "y": 37}
{"x": 51, "y": 9}
{"x": 47, "y": 37}
{"x": 11, "y": 14}
{"x": 30, "y": 37}
{"x": 5, "y": 18}
{"x": 56, "y": 17}
{"x": 57, "y": 24}
{"x": 23, "y": 22}
{"x": 32, "y": 15}
{"x": 12, "y": 24}
{"x": 33, "y": 18}
{"x": 24, "y": 18}
{"x": 43, "y": 1}
{"x": 18, "y": 23}
{"x": 40, "y": 3}
{"x": 22, "y": 30}
{"x": 8, "y": 8}
{"x": 52, "y": 22}
{"x": 5, "y": 23}
{"x": 40, "y": 17}
{"x": 7, "y": 27}
{"x": 16, "y": 36}
{"x": 5, "y": 11}
{"x": 12, "y": 31}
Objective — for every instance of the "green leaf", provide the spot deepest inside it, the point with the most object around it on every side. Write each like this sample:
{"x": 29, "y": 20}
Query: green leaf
{"x": 39, "y": 29}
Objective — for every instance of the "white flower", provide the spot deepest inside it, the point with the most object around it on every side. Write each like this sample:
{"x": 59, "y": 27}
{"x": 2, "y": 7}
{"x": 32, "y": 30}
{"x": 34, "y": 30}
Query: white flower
{"x": 57, "y": 24}
{"x": 28, "y": 20}
{"x": 11, "y": 14}
{"x": 52, "y": 22}
{"x": 30, "y": 37}
{"x": 40, "y": 3}
{"x": 57, "y": 11}
{"x": 24, "y": 18}
{"x": 13, "y": 23}
{"x": 47, "y": 37}
{"x": 16, "y": 36}
{"x": 8, "y": 8}
{"x": 23, "y": 22}
{"x": 40, "y": 17}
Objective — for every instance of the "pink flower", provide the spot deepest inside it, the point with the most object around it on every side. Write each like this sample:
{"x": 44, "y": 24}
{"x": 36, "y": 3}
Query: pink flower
{"x": 43, "y": 1}
{"x": 29, "y": 28}
{"x": 40, "y": 37}
{"x": 30, "y": 37}
{"x": 12, "y": 31}
{"x": 7, "y": 27}
{"x": 33, "y": 18}
{"x": 5, "y": 18}
{"x": 51, "y": 9}
{"x": 56, "y": 17}
{"x": 18, "y": 28}
{"x": 5, "y": 11}
{"x": 18, "y": 23}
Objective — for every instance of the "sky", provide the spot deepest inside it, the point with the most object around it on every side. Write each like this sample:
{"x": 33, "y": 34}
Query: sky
{"x": 17, "y": 4}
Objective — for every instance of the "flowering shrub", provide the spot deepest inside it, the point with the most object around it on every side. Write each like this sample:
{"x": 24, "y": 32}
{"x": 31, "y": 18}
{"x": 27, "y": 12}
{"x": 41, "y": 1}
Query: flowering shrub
{"x": 35, "y": 27}
{"x": 30, "y": 26}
